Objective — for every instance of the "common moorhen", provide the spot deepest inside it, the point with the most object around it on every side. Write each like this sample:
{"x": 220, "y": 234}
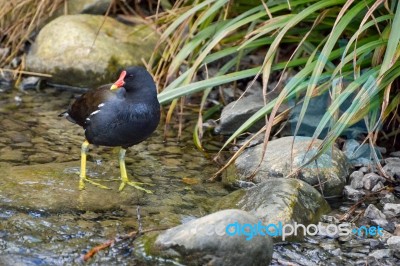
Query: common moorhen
{"x": 117, "y": 115}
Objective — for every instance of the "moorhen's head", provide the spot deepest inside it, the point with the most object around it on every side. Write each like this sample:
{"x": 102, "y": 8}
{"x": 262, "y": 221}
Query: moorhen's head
{"x": 135, "y": 79}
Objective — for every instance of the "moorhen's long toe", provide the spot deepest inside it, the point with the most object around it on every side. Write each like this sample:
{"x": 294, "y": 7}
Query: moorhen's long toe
{"x": 117, "y": 115}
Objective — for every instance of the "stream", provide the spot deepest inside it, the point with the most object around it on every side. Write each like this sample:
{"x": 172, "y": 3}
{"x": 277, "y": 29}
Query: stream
{"x": 46, "y": 220}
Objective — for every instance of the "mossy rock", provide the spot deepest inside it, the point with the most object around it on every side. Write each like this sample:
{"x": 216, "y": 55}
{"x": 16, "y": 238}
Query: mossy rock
{"x": 285, "y": 155}
{"x": 279, "y": 200}
{"x": 87, "y": 50}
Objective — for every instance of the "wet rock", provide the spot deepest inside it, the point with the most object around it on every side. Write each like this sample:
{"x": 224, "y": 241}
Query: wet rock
{"x": 362, "y": 249}
{"x": 364, "y": 169}
{"x": 328, "y": 246}
{"x": 373, "y": 212}
{"x": 329, "y": 219}
{"x": 312, "y": 117}
{"x": 385, "y": 224}
{"x": 255, "y": 140}
{"x": 381, "y": 253}
{"x": 10, "y": 155}
{"x": 282, "y": 200}
{"x": 391, "y": 210}
{"x": 68, "y": 38}
{"x": 378, "y": 187}
{"x": 337, "y": 252}
{"x": 204, "y": 241}
{"x": 12, "y": 125}
{"x": 374, "y": 244}
{"x": 30, "y": 83}
{"x": 349, "y": 147}
{"x": 22, "y": 145}
{"x": 328, "y": 172}
{"x": 371, "y": 179}
{"x": 22, "y": 259}
{"x": 359, "y": 155}
{"x": 356, "y": 179}
{"x": 389, "y": 198}
{"x": 54, "y": 187}
{"x": 5, "y": 140}
{"x": 394, "y": 243}
{"x": 397, "y": 230}
{"x": 40, "y": 158}
{"x": 392, "y": 166}
{"x": 325, "y": 231}
{"x": 17, "y": 136}
{"x": 385, "y": 236}
{"x": 6, "y": 77}
{"x": 392, "y": 160}
{"x": 237, "y": 112}
{"x": 354, "y": 255}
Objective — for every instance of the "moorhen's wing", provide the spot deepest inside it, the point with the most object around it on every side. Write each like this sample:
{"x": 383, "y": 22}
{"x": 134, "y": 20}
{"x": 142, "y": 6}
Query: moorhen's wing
{"x": 88, "y": 103}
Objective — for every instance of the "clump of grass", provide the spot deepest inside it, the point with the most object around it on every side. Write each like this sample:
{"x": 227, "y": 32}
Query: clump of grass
{"x": 347, "y": 48}
{"x": 18, "y": 20}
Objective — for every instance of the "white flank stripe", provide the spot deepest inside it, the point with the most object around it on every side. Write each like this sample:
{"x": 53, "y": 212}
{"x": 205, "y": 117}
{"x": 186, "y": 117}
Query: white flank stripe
{"x": 95, "y": 112}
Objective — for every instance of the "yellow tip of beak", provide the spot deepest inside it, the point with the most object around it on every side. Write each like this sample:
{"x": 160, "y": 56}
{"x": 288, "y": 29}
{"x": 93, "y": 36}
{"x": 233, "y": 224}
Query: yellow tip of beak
{"x": 114, "y": 87}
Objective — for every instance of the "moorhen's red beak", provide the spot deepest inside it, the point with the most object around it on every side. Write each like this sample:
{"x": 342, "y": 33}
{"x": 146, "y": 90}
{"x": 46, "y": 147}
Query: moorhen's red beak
{"x": 120, "y": 82}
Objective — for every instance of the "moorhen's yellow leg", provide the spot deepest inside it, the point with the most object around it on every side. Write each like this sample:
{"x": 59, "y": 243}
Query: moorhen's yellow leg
{"x": 83, "y": 177}
{"x": 124, "y": 176}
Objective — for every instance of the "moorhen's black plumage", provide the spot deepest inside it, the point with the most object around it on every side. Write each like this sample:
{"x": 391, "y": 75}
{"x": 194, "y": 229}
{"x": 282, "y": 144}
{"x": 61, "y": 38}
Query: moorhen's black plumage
{"x": 118, "y": 115}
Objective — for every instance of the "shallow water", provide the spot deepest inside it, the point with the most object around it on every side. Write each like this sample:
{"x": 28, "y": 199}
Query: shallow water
{"x": 45, "y": 220}
{"x": 32, "y": 134}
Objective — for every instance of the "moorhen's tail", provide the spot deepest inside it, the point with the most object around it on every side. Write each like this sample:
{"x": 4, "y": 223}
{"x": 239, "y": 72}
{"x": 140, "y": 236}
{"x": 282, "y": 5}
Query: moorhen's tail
{"x": 67, "y": 116}
{"x": 65, "y": 113}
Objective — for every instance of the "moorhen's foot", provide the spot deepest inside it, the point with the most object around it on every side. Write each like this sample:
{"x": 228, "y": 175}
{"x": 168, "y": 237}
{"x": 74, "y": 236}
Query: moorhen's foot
{"x": 135, "y": 185}
{"x": 85, "y": 179}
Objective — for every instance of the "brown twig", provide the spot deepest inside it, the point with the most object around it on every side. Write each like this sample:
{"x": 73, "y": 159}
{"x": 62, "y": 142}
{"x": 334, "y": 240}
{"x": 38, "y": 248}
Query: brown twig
{"x": 132, "y": 235}
{"x": 26, "y": 72}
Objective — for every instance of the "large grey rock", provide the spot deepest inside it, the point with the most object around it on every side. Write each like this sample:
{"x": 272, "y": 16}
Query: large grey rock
{"x": 74, "y": 51}
{"x": 204, "y": 241}
{"x": 54, "y": 187}
{"x": 329, "y": 172}
{"x": 282, "y": 200}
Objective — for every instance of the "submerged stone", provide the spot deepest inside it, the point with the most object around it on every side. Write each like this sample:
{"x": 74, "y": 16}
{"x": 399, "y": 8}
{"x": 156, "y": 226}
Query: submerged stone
{"x": 54, "y": 187}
